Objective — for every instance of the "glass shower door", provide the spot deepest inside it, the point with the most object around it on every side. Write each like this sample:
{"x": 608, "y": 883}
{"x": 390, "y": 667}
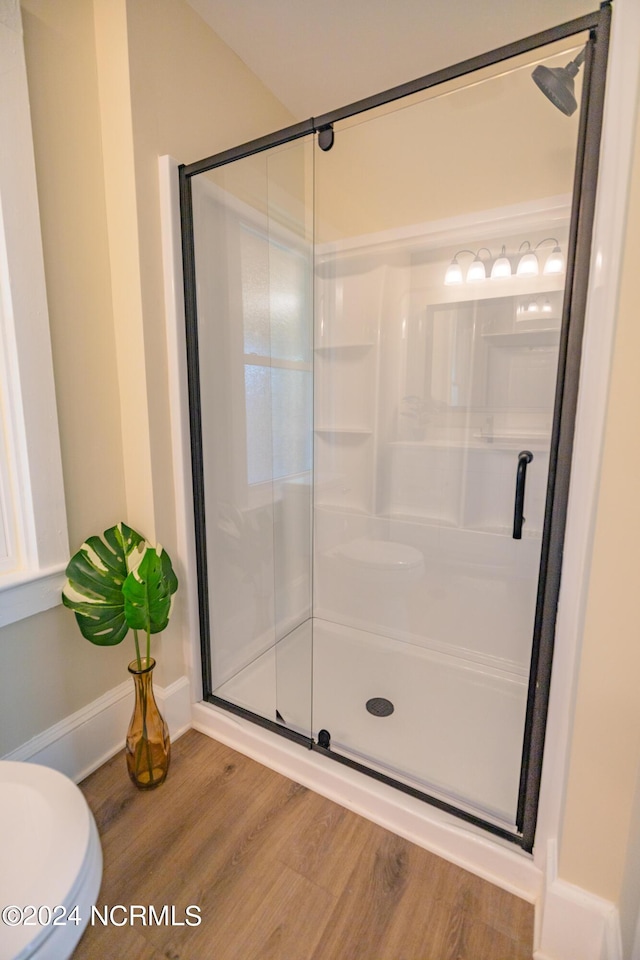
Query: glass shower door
{"x": 441, "y": 234}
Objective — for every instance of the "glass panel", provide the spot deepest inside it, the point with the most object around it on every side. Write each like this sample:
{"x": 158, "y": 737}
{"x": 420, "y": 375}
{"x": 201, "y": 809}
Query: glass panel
{"x": 278, "y": 433}
{"x": 427, "y": 391}
{"x": 253, "y": 272}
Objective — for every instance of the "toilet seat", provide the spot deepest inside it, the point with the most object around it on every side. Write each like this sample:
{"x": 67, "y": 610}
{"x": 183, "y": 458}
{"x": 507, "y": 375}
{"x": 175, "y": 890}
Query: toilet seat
{"x": 51, "y": 857}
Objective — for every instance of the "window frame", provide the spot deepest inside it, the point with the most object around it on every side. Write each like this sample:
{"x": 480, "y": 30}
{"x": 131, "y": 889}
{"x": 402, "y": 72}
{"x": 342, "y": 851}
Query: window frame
{"x": 33, "y": 459}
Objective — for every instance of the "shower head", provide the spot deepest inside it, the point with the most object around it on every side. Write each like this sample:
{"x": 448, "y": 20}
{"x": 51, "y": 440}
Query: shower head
{"x": 557, "y": 83}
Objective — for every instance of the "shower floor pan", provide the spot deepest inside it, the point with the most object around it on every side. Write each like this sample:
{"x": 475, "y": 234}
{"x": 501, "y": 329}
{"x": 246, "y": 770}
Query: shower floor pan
{"x": 455, "y": 731}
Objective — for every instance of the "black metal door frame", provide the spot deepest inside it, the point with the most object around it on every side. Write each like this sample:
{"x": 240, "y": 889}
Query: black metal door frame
{"x": 573, "y": 315}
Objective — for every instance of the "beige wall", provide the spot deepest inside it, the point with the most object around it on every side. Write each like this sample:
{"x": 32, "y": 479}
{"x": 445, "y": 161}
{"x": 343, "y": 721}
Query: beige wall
{"x": 448, "y": 152}
{"x": 67, "y": 139}
{"x": 186, "y": 95}
{"x": 605, "y": 754}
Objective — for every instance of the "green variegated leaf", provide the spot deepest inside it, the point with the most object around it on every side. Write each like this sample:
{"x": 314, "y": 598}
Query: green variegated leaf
{"x": 95, "y": 577}
{"x": 148, "y": 590}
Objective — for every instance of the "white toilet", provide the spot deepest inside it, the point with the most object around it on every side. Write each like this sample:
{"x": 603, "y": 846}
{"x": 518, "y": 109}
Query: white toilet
{"x": 50, "y": 856}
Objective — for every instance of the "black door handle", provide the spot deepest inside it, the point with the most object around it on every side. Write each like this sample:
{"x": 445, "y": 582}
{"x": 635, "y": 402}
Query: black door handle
{"x": 521, "y": 478}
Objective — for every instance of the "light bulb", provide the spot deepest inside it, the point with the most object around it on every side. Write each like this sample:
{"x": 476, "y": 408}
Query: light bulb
{"x": 528, "y": 266}
{"x": 533, "y": 306}
{"x": 476, "y": 271}
{"x": 501, "y": 267}
{"x": 454, "y": 273}
{"x": 546, "y": 307}
{"x": 555, "y": 262}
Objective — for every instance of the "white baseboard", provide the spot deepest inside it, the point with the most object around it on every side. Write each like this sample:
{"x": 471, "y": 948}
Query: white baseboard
{"x": 83, "y": 741}
{"x": 635, "y": 950}
{"x": 462, "y": 844}
{"x": 574, "y": 922}
{"x": 175, "y": 703}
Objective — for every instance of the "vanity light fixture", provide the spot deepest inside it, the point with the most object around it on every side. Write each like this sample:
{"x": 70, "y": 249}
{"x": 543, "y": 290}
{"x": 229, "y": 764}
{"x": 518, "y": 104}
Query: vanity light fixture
{"x": 501, "y": 267}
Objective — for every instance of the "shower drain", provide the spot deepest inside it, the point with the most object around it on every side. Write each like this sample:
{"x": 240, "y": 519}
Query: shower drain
{"x": 380, "y": 707}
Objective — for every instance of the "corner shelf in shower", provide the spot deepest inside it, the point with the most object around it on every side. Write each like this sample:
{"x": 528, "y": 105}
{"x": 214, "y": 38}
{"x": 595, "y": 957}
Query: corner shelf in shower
{"x": 546, "y": 337}
{"x": 344, "y": 347}
{"x": 340, "y": 507}
{"x": 346, "y": 431}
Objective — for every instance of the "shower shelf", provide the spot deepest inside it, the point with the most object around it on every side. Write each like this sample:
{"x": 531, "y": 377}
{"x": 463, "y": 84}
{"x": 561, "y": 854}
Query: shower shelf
{"x": 336, "y": 347}
{"x": 547, "y": 337}
{"x": 355, "y": 431}
{"x": 337, "y": 506}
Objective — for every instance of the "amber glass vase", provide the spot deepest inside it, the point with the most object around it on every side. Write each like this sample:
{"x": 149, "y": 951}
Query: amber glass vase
{"x": 148, "y": 747}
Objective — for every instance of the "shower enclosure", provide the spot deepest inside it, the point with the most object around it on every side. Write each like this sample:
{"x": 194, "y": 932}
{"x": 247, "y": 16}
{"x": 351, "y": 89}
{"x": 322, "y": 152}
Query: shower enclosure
{"x": 384, "y": 320}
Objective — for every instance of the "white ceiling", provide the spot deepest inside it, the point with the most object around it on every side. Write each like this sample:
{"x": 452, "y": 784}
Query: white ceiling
{"x": 318, "y": 55}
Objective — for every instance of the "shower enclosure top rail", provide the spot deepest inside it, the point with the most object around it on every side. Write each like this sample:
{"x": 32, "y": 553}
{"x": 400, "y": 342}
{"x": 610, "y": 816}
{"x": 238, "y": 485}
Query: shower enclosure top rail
{"x": 297, "y": 130}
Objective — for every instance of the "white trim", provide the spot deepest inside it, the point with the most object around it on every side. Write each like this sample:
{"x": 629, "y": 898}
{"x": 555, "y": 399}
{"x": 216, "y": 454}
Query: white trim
{"x": 38, "y": 524}
{"x": 575, "y": 923}
{"x": 83, "y": 741}
{"x": 635, "y": 950}
{"x": 501, "y": 864}
{"x": 29, "y": 595}
{"x": 179, "y": 412}
{"x": 174, "y": 702}
{"x": 578, "y": 924}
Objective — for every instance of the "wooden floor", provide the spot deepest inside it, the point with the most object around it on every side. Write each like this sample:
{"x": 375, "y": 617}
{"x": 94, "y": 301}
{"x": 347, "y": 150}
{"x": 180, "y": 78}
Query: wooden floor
{"x": 279, "y": 873}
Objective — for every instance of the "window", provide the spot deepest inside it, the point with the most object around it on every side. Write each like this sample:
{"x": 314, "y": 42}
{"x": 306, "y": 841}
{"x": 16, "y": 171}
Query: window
{"x": 33, "y": 529}
{"x": 277, "y": 357}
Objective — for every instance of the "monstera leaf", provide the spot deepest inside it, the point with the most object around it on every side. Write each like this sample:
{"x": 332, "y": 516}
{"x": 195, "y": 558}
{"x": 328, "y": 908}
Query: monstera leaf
{"x": 96, "y": 575}
{"x": 148, "y": 590}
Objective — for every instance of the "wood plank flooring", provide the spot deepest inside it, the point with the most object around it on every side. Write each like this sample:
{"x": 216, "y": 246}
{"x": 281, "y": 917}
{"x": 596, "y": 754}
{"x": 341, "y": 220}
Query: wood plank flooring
{"x": 279, "y": 873}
